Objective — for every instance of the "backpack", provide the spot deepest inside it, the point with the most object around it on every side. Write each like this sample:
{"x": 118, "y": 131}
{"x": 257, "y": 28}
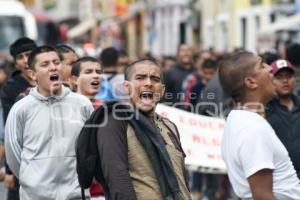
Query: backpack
{"x": 106, "y": 92}
{"x": 87, "y": 157}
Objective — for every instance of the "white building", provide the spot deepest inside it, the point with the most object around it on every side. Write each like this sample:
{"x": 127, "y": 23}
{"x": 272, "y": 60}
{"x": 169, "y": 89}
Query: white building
{"x": 167, "y": 25}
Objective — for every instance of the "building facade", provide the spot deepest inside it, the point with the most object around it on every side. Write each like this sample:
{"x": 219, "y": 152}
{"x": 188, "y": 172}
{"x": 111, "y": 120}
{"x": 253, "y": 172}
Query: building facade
{"x": 167, "y": 24}
{"x": 230, "y": 24}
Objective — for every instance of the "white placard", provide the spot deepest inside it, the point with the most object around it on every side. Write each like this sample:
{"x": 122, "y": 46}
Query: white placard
{"x": 200, "y": 136}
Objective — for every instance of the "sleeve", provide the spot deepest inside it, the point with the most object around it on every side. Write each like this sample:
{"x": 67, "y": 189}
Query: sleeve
{"x": 13, "y": 139}
{"x": 256, "y": 151}
{"x": 112, "y": 147}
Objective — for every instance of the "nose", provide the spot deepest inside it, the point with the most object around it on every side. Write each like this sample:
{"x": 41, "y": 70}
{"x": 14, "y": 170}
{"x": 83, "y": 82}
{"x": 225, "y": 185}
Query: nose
{"x": 285, "y": 79}
{"x": 96, "y": 75}
{"x": 52, "y": 67}
{"x": 25, "y": 59}
{"x": 148, "y": 81}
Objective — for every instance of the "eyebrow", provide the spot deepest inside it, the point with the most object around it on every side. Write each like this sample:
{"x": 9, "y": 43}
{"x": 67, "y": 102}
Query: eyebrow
{"x": 47, "y": 61}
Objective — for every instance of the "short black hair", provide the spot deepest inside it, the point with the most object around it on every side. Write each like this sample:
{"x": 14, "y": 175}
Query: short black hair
{"x": 42, "y": 49}
{"x": 109, "y": 57}
{"x": 61, "y": 49}
{"x": 129, "y": 69}
{"x": 293, "y": 54}
{"x": 233, "y": 69}
{"x": 76, "y": 67}
{"x": 270, "y": 57}
{"x": 210, "y": 64}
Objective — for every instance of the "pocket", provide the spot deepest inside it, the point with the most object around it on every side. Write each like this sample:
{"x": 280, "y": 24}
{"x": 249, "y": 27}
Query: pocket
{"x": 37, "y": 174}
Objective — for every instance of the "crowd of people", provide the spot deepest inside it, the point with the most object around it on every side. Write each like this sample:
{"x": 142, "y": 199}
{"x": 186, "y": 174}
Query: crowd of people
{"x": 48, "y": 93}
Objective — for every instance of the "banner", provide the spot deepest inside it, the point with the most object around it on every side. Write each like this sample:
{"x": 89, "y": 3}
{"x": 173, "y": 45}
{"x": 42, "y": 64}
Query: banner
{"x": 200, "y": 137}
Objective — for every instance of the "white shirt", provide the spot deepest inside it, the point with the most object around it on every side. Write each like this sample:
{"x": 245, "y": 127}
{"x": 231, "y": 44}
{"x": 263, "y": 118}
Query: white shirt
{"x": 249, "y": 145}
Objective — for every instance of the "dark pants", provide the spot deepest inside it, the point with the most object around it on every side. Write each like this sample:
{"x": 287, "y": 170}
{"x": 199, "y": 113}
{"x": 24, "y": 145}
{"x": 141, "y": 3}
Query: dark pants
{"x": 14, "y": 193}
{"x": 212, "y": 186}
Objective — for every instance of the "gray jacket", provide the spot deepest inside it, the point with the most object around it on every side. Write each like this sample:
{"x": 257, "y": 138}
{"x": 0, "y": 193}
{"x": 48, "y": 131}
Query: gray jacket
{"x": 40, "y": 135}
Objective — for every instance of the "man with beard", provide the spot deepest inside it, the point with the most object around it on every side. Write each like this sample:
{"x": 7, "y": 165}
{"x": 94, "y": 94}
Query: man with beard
{"x": 142, "y": 158}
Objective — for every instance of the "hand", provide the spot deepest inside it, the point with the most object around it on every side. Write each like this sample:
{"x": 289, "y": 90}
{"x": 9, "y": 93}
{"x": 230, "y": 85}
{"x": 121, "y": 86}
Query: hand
{"x": 2, "y": 175}
{"x": 9, "y": 181}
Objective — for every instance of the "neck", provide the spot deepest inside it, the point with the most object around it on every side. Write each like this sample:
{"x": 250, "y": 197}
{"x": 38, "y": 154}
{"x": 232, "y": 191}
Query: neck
{"x": 255, "y": 107}
{"x": 29, "y": 80}
{"x": 149, "y": 114}
{"x": 287, "y": 101}
{"x": 49, "y": 93}
{"x": 92, "y": 98}
{"x": 186, "y": 66}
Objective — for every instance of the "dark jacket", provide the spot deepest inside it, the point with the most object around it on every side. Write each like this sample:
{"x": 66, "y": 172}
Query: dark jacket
{"x": 286, "y": 125}
{"x": 213, "y": 101}
{"x": 8, "y": 94}
{"x": 173, "y": 81}
{"x": 13, "y": 87}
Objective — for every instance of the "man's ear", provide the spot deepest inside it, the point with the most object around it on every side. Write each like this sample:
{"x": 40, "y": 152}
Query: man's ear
{"x": 126, "y": 86}
{"x": 73, "y": 80}
{"x": 250, "y": 82}
{"x": 32, "y": 75}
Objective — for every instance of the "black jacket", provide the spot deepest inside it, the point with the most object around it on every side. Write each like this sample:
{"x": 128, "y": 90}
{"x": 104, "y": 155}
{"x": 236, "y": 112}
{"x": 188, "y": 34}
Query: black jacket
{"x": 173, "y": 81}
{"x": 286, "y": 125}
{"x": 13, "y": 87}
{"x": 8, "y": 94}
{"x": 214, "y": 101}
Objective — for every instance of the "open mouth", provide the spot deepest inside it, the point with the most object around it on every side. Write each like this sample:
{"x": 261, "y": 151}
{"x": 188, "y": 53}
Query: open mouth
{"x": 54, "y": 77}
{"x": 146, "y": 95}
{"x": 95, "y": 83}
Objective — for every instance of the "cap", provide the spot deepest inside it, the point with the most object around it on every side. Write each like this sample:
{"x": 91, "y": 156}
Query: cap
{"x": 21, "y": 45}
{"x": 281, "y": 64}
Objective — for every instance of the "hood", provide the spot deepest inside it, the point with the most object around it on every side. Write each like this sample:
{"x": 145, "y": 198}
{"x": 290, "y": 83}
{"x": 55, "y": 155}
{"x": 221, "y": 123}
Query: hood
{"x": 51, "y": 99}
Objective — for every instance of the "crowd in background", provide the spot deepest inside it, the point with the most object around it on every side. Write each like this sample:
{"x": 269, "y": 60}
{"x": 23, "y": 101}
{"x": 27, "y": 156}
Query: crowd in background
{"x": 190, "y": 78}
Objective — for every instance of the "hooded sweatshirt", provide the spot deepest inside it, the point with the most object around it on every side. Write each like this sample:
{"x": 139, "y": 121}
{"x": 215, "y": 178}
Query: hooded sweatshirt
{"x": 40, "y": 135}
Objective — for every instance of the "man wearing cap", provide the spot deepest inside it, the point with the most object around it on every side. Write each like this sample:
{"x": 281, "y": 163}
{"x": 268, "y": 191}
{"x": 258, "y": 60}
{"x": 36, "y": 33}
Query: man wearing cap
{"x": 283, "y": 111}
{"x": 18, "y": 82}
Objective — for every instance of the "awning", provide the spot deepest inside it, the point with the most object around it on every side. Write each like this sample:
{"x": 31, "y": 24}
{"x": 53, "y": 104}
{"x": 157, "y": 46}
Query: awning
{"x": 289, "y": 23}
{"x": 82, "y": 28}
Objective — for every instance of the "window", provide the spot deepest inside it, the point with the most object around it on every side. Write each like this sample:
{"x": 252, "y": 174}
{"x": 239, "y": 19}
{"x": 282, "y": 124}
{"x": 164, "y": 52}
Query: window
{"x": 257, "y": 22}
{"x": 244, "y": 32}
